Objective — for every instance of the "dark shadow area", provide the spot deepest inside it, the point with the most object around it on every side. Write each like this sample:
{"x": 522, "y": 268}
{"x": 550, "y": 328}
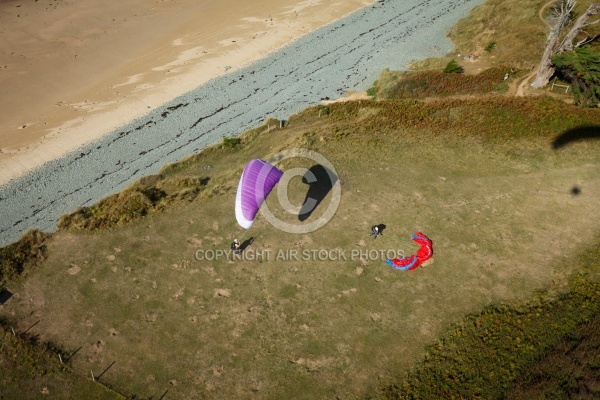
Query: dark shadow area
{"x": 320, "y": 181}
{"x": 576, "y": 135}
{"x": 381, "y": 228}
{"x": 246, "y": 243}
{"x": 575, "y": 190}
{"x": 4, "y": 296}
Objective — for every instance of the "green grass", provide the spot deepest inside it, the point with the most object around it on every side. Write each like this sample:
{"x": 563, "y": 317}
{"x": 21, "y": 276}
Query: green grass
{"x": 31, "y": 370}
{"x": 422, "y": 84}
{"x": 479, "y": 177}
{"x": 545, "y": 347}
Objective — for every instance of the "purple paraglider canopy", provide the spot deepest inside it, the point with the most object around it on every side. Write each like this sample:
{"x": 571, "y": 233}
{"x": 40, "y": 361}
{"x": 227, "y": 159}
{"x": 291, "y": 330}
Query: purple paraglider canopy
{"x": 257, "y": 181}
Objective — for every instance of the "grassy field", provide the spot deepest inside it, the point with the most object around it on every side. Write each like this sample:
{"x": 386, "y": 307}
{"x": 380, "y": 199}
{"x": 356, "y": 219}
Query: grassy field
{"x": 507, "y": 212}
{"x": 506, "y": 188}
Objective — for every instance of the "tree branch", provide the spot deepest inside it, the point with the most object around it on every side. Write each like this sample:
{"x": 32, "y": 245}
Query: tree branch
{"x": 567, "y": 42}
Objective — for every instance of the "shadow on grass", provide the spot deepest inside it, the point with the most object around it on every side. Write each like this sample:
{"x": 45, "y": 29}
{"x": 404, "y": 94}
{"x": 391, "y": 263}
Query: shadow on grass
{"x": 576, "y": 135}
{"x": 4, "y": 296}
{"x": 381, "y": 228}
{"x": 320, "y": 181}
{"x": 247, "y": 243}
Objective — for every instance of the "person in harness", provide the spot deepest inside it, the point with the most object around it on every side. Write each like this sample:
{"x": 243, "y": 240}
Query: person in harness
{"x": 236, "y": 246}
{"x": 375, "y": 231}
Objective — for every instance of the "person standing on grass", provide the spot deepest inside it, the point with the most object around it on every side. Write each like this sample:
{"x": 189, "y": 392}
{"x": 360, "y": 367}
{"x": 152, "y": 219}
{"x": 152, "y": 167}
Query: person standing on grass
{"x": 235, "y": 246}
{"x": 375, "y": 231}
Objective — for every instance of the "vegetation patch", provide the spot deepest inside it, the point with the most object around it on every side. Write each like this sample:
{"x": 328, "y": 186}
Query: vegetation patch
{"x": 32, "y": 370}
{"x": 421, "y": 84}
{"x": 547, "y": 346}
{"x": 18, "y": 257}
{"x": 581, "y": 67}
{"x": 133, "y": 203}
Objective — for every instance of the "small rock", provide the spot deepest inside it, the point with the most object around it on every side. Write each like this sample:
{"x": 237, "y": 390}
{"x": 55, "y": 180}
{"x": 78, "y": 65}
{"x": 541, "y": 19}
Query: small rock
{"x": 375, "y": 317}
{"x": 222, "y": 292}
{"x": 74, "y": 270}
{"x": 150, "y": 317}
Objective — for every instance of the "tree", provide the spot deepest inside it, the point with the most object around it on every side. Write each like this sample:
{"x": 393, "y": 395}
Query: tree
{"x": 582, "y": 68}
{"x": 562, "y": 15}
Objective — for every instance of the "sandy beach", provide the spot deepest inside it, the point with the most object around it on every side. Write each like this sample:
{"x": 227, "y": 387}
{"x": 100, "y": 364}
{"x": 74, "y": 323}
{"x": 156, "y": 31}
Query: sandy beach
{"x": 71, "y": 72}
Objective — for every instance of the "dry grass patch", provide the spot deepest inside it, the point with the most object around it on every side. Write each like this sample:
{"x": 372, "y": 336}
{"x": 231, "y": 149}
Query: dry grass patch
{"x": 499, "y": 210}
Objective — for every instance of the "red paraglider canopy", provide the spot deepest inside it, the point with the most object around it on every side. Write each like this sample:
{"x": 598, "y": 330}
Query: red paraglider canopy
{"x": 411, "y": 262}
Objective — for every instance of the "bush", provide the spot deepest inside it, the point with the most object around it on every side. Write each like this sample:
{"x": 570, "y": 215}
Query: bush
{"x": 435, "y": 83}
{"x": 117, "y": 209}
{"x": 230, "y": 143}
{"x": 16, "y": 258}
{"x": 489, "y": 47}
{"x": 453, "y": 68}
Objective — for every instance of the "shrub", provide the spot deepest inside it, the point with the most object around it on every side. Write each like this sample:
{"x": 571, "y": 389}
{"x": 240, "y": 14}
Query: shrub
{"x": 453, "y": 68}
{"x": 16, "y": 258}
{"x": 489, "y": 47}
{"x": 435, "y": 83}
{"x": 230, "y": 143}
{"x": 117, "y": 209}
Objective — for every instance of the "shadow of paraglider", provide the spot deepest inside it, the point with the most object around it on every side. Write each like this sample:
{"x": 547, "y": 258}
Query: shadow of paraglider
{"x": 576, "y": 135}
{"x": 246, "y": 243}
{"x": 320, "y": 181}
